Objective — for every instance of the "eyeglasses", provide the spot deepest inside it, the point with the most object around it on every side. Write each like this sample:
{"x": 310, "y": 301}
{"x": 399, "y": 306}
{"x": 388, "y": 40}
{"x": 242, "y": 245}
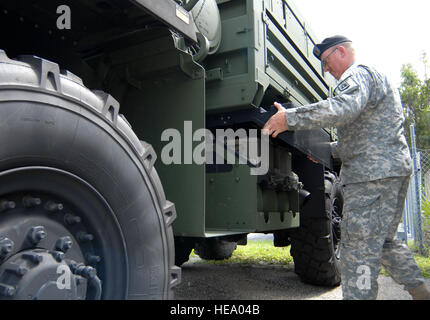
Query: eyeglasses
{"x": 324, "y": 62}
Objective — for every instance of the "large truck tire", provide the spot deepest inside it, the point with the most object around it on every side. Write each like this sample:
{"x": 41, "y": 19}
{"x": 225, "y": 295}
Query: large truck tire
{"x": 214, "y": 249}
{"x": 315, "y": 245}
{"x": 83, "y": 213}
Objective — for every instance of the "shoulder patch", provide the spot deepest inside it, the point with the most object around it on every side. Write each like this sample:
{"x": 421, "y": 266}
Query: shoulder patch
{"x": 346, "y": 86}
{"x": 343, "y": 86}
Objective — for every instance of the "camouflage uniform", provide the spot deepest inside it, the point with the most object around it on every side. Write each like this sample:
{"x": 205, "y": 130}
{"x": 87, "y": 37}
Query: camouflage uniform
{"x": 376, "y": 165}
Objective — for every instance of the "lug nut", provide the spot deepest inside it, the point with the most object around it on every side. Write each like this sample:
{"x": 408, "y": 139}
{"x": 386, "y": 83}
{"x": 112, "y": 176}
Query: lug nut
{"x": 29, "y": 201}
{"x": 53, "y": 206}
{"x": 37, "y": 234}
{"x": 58, "y": 255}
{"x": 93, "y": 259}
{"x": 6, "y": 205}
{"x": 86, "y": 271}
{"x": 82, "y": 236}
{"x": 72, "y": 265}
{"x": 70, "y": 219}
{"x": 7, "y": 290}
{"x": 6, "y": 247}
{"x": 64, "y": 244}
{"x": 17, "y": 269}
{"x": 33, "y": 257}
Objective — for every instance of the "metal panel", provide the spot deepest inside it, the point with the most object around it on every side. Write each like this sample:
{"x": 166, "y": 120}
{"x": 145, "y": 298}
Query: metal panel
{"x": 165, "y": 89}
{"x": 172, "y": 14}
{"x": 264, "y": 44}
{"x": 291, "y": 40}
{"x": 236, "y": 203}
{"x": 292, "y": 58}
{"x": 231, "y": 200}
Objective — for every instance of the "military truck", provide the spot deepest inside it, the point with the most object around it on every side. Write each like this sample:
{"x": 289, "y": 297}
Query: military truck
{"x": 84, "y": 183}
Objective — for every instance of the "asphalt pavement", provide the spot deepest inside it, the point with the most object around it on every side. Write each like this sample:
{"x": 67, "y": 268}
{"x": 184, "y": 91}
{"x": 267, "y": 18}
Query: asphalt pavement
{"x": 207, "y": 281}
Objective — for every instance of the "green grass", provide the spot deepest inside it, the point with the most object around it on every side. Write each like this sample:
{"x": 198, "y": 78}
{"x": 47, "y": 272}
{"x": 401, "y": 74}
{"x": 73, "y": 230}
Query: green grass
{"x": 258, "y": 252}
{"x": 424, "y": 265}
{"x": 264, "y": 253}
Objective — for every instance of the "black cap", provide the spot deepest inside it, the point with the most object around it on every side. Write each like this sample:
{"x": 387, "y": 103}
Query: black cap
{"x": 328, "y": 43}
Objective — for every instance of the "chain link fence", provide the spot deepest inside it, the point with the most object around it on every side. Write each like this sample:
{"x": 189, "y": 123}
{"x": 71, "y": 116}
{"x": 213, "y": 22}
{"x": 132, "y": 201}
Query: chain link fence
{"x": 424, "y": 164}
{"x": 424, "y": 155}
{"x": 416, "y": 216}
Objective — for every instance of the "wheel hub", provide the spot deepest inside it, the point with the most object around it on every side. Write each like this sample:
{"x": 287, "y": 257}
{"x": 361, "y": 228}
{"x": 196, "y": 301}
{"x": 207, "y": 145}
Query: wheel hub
{"x": 39, "y": 274}
{"x": 39, "y": 247}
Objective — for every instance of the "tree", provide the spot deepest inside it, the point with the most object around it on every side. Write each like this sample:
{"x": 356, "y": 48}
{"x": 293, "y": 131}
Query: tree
{"x": 415, "y": 95}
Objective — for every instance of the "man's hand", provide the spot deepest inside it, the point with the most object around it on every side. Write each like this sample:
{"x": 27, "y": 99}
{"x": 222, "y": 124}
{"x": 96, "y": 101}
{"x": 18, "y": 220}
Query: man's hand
{"x": 277, "y": 123}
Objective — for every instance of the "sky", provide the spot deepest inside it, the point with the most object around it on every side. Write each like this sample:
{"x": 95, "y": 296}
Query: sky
{"x": 386, "y": 33}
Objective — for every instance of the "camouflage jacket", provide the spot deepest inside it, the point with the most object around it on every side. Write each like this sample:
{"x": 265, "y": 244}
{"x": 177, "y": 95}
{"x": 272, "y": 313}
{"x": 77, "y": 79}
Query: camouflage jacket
{"x": 368, "y": 114}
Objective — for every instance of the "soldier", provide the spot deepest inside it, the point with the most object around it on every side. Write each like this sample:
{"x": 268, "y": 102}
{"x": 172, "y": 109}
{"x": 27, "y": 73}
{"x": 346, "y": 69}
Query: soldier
{"x": 376, "y": 166}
